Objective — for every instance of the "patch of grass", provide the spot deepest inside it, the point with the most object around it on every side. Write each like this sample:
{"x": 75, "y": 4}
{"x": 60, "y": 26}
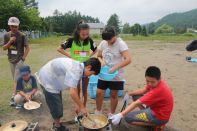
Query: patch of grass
{"x": 162, "y": 38}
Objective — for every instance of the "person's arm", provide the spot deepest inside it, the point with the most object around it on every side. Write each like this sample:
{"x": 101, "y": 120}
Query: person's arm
{"x": 33, "y": 92}
{"x": 138, "y": 92}
{"x": 93, "y": 48}
{"x": 22, "y": 93}
{"x": 26, "y": 52}
{"x": 100, "y": 57}
{"x": 62, "y": 48}
{"x": 131, "y": 107}
{"x": 126, "y": 60}
{"x": 76, "y": 99}
{"x": 63, "y": 52}
{"x": 9, "y": 43}
{"x": 93, "y": 53}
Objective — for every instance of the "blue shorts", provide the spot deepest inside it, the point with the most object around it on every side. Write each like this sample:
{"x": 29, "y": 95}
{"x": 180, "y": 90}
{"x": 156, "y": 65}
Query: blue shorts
{"x": 144, "y": 115}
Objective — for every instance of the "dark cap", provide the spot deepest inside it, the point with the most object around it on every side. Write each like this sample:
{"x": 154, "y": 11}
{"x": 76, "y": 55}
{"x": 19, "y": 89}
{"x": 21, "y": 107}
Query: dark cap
{"x": 24, "y": 70}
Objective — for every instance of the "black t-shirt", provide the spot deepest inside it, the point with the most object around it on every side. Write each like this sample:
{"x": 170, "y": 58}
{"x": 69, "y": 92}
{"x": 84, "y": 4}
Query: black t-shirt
{"x": 68, "y": 44}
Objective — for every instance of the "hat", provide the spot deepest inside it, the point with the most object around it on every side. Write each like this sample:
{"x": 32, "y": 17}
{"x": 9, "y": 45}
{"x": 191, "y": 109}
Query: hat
{"x": 25, "y": 70}
{"x": 13, "y": 21}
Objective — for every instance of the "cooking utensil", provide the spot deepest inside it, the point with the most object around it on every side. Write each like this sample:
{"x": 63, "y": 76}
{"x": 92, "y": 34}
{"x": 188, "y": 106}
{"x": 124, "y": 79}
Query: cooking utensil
{"x": 31, "y": 105}
{"x": 17, "y": 125}
{"x": 89, "y": 117}
{"x": 123, "y": 108}
{"x": 101, "y": 118}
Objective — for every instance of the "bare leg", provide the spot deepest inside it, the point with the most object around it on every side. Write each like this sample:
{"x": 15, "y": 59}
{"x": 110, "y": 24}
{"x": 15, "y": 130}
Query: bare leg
{"x": 99, "y": 99}
{"x": 114, "y": 100}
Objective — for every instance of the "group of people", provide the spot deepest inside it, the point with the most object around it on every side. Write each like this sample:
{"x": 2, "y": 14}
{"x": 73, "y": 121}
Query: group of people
{"x": 83, "y": 59}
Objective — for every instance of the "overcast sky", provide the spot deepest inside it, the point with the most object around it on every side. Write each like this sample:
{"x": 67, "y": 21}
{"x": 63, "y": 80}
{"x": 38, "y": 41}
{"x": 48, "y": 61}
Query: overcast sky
{"x": 131, "y": 11}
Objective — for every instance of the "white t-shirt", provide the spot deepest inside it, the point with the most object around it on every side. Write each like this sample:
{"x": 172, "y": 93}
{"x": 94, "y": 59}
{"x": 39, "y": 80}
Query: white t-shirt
{"x": 59, "y": 74}
{"x": 112, "y": 54}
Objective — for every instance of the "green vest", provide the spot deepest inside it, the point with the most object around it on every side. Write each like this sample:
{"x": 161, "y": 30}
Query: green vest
{"x": 80, "y": 53}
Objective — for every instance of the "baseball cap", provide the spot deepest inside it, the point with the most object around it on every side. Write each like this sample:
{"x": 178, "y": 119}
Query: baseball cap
{"x": 25, "y": 70}
{"x": 13, "y": 21}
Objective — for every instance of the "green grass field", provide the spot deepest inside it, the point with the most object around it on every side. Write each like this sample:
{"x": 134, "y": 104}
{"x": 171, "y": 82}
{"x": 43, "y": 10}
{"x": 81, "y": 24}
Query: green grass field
{"x": 44, "y": 49}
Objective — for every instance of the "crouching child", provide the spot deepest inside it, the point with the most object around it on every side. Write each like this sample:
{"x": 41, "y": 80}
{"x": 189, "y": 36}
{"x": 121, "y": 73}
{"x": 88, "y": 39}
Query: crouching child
{"x": 157, "y": 98}
{"x": 26, "y": 87}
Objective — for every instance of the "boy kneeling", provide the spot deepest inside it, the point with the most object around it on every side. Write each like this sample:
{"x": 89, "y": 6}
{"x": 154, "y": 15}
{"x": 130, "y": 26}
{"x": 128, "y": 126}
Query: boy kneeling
{"x": 26, "y": 87}
{"x": 156, "y": 96}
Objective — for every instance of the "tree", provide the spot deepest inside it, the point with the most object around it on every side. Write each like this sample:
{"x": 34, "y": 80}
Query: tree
{"x": 136, "y": 29}
{"x": 144, "y": 31}
{"x": 151, "y": 28}
{"x": 66, "y": 23}
{"x": 126, "y": 28}
{"x": 164, "y": 29}
{"x": 30, "y": 4}
{"x": 115, "y": 22}
{"x": 29, "y": 17}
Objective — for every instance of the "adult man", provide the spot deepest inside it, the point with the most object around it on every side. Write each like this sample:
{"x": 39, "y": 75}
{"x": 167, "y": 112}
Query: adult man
{"x": 16, "y": 44}
{"x": 60, "y": 74}
{"x": 156, "y": 96}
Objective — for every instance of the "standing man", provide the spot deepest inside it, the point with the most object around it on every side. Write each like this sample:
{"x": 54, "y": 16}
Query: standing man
{"x": 16, "y": 44}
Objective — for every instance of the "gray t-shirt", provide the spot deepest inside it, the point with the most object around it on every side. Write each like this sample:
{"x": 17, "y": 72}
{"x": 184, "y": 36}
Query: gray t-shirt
{"x": 112, "y": 54}
{"x": 59, "y": 74}
{"x": 16, "y": 50}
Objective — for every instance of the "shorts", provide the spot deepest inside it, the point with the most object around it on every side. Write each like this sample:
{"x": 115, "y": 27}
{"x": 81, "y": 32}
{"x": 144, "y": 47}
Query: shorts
{"x": 112, "y": 85}
{"x": 144, "y": 115}
{"x": 15, "y": 69}
{"x": 54, "y": 103}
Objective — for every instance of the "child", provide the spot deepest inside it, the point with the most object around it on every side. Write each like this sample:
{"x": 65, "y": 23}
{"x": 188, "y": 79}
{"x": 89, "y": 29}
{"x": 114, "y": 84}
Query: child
{"x": 26, "y": 87}
{"x": 115, "y": 54}
{"x": 82, "y": 47}
{"x": 60, "y": 74}
{"x": 156, "y": 96}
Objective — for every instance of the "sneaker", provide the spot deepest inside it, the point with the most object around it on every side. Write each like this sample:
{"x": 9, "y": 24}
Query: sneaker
{"x": 61, "y": 128}
{"x": 12, "y": 102}
{"x": 18, "y": 106}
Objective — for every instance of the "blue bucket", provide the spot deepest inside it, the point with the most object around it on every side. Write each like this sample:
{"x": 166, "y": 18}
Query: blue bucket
{"x": 104, "y": 73}
{"x": 92, "y": 87}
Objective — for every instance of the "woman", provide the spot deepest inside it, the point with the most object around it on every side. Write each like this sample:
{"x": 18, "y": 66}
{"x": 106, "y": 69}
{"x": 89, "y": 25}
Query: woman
{"x": 115, "y": 53}
{"x": 81, "y": 47}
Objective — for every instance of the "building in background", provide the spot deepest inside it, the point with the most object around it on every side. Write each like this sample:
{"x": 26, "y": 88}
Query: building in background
{"x": 96, "y": 28}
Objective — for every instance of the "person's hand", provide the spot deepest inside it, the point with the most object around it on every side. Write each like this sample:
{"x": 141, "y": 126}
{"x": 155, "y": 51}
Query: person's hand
{"x": 27, "y": 97}
{"x": 84, "y": 111}
{"x": 116, "y": 118}
{"x": 12, "y": 39}
{"x": 111, "y": 70}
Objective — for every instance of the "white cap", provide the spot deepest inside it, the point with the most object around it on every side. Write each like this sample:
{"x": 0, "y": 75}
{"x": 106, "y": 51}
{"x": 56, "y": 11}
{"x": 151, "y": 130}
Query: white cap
{"x": 13, "y": 21}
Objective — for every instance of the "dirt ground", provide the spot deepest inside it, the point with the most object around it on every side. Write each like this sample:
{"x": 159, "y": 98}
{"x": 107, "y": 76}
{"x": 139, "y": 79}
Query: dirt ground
{"x": 178, "y": 74}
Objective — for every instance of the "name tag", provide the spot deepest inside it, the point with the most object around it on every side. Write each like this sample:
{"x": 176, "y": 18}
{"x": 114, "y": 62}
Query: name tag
{"x": 83, "y": 54}
{"x": 14, "y": 52}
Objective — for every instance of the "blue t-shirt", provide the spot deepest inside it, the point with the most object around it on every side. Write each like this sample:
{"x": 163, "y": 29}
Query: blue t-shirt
{"x": 26, "y": 86}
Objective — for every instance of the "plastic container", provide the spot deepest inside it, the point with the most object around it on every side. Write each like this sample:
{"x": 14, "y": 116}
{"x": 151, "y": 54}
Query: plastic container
{"x": 104, "y": 73}
{"x": 92, "y": 87}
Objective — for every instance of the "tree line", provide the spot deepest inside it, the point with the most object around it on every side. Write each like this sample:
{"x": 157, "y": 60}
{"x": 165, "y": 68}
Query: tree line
{"x": 28, "y": 13}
